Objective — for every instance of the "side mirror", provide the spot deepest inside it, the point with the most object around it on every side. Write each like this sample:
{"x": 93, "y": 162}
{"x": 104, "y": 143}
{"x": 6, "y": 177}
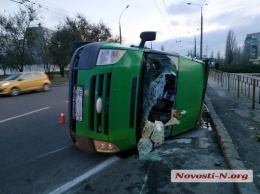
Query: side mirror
{"x": 147, "y": 36}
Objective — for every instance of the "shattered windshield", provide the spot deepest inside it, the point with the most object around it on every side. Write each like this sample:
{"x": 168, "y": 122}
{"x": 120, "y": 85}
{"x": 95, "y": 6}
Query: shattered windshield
{"x": 159, "y": 87}
{"x": 159, "y": 91}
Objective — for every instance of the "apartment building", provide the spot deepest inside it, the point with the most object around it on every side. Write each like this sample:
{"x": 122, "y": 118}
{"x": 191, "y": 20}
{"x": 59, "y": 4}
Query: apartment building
{"x": 252, "y": 45}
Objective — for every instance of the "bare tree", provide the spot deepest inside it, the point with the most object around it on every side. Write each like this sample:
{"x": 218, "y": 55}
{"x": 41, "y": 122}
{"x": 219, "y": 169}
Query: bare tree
{"x": 3, "y": 64}
{"x": 39, "y": 45}
{"x": 220, "y": 59}
{"x": 230, "y": 47}
{"x": 238, "y": 55}
{"x": 218, "y": 56}
{"x": 14, "y": 36}
{"x": 246, "y": 54}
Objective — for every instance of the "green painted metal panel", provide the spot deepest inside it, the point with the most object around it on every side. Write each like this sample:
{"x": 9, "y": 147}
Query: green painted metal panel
{"x": 119, "y": 131}
{"x": 190, "y": 87}
{"x": 86, "y": 79}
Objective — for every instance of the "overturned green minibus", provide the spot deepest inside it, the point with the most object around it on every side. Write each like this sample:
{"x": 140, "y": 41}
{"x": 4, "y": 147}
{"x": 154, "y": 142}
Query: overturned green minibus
{"x": 114, "y": 90}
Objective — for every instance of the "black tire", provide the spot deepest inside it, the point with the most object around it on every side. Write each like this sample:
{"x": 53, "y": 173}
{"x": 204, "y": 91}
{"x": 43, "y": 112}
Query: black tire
{"x": 15, "y": 92}
{"x": 46, "y": 87}
{"x": 83, "y": 143}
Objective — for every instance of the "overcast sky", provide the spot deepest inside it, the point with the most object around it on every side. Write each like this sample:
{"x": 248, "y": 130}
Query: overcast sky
{"x": 175, "y": 22}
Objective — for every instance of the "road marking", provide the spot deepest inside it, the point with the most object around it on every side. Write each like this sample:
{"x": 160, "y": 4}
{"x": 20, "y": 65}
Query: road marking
{"x": 52, "y": 152}
{"x": 38, "y": 157}
{"x": 145, "y": 179}
{"x": 86, "y": 175}
{"x": 23, "y": 114}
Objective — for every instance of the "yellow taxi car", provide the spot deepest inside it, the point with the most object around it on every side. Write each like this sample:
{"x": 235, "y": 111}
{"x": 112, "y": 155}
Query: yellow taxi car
{"x": 23, "y": 82}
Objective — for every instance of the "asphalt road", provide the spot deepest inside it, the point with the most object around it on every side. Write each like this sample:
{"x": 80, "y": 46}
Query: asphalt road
{"x": 196, "y": 149}
{"x": 36, "y": 153}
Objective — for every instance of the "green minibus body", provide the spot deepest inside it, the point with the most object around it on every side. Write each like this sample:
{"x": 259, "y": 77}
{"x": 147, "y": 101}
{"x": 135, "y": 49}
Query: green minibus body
{"x": 115, "y": 90}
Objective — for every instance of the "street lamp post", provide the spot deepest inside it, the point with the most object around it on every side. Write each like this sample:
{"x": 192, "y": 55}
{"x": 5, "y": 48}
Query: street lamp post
{"x": 195, "y": 47}
{"x": 120, "y": 36}
{"x": 201, "y": 27}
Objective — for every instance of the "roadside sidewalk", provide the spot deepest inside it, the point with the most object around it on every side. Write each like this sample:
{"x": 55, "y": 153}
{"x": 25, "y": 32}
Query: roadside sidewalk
{"x": 237, "y": 129}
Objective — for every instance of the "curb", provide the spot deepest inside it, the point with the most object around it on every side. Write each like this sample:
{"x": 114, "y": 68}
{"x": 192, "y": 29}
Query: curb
{"x": 58, "y": 85}
{"x": 228, "y": 149}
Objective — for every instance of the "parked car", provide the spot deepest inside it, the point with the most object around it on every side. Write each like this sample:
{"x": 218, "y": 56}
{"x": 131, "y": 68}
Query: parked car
{"x": 24, "y": 82}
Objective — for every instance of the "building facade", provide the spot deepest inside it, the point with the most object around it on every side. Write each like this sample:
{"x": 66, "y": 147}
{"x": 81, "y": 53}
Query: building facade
{"x": 252, "y": 45}
{"x": 38, "y": 45}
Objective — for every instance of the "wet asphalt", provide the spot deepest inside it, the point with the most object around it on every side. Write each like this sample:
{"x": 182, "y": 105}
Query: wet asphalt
{"x": 229, "y": 142}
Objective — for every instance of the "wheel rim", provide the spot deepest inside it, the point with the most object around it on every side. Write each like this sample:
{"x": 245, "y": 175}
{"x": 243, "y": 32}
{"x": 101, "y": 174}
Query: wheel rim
{"x": 46, "y": 87}
{"x": 14, "y": 92}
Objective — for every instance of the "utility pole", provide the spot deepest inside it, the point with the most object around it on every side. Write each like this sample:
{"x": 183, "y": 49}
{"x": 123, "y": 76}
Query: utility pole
{"x": 206, "y": 50}
{"x": 195, "y": 47}
{"x": 120, "y": 36}
{"x": 201, "y": 26}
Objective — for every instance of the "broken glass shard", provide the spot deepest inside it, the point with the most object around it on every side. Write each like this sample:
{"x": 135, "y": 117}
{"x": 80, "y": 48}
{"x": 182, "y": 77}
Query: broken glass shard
{"x": 144, "y": 146}
{"x": 159, "y": 87}
{"x": 148, "y": 129}
{"x": 167, "y": 131}
{"x": 150, "y": 156}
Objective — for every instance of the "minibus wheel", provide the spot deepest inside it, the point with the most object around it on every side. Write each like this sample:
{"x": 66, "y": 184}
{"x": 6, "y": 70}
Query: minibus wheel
{"x": 83, "y": 143}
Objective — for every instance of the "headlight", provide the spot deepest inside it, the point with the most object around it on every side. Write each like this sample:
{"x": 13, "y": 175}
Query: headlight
{"x": 6, "y": 84}
{"x": 107, "y": 56}
{"x": 102, "y": 146}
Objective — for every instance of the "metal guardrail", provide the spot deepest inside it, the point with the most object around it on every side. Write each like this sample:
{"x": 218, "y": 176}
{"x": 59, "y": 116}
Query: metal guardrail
{"x": 246, "y": 85}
